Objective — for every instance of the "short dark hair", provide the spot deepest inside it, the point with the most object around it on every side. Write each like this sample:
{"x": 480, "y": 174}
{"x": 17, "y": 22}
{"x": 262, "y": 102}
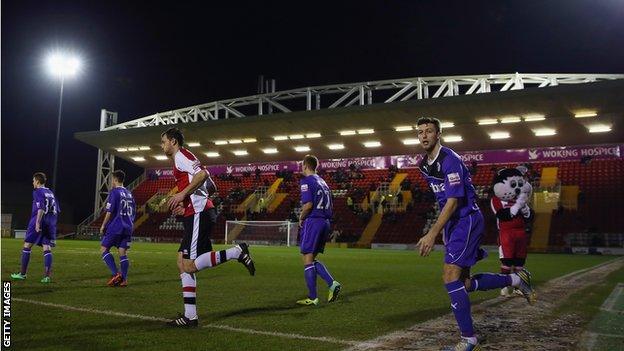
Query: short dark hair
{"x": 311, "y": 161}
{"x": 119, "y": 175}
{"x": 40, "y": 177}
{"x": 174, "y": 133}
{"x": 427, "y": 120}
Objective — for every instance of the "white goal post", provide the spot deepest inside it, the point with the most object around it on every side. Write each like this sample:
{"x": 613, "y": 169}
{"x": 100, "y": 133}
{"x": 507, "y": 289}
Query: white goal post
{"x": 262, "y": 232}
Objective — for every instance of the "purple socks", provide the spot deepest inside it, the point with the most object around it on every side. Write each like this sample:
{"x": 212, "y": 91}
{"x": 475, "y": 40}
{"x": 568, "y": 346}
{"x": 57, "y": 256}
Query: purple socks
{"x": 25, "y": 260}
{"x": 310, "y": 277}
{"x": 460, "y": 304}
{"x": 108, "y": 258}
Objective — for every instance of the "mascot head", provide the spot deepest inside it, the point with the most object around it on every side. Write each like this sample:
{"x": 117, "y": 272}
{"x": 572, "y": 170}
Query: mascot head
{"x": 509, "y": 184}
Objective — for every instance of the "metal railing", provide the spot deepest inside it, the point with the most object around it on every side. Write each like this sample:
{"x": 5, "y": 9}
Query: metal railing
{"x": 343, "y": 95}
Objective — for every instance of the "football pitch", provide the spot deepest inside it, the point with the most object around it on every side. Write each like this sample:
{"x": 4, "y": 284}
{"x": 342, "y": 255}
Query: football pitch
{"x": 383, "y": 292}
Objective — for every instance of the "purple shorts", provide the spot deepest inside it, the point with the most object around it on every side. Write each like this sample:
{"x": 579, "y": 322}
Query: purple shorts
{"x": 121, "y": 241}
{"x": 47, "y": 235}
{"x": 462, "y": 239}
{"x": 314, "y": 234}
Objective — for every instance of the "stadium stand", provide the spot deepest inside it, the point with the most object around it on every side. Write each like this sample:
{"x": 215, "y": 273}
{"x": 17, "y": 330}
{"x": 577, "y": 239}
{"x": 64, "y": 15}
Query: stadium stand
{"x": 596, "y": 185}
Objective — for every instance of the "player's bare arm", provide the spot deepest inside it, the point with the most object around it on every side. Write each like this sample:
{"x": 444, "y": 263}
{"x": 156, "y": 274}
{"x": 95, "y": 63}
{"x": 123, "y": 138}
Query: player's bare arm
{"x": 426, "y": 242}
{"x": 305, "y": 211}
{"x": 40, "y": 213}
{"x": 107, "y": 218}
{"x": 198, "y": 179}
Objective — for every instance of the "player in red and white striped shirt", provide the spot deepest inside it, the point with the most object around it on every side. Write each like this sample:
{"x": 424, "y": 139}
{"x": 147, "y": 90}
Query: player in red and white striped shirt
{"x": 199, "y": 216}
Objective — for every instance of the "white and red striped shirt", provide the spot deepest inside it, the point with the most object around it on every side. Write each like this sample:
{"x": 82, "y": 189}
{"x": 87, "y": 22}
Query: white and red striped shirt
{"x": 187, "y": 166}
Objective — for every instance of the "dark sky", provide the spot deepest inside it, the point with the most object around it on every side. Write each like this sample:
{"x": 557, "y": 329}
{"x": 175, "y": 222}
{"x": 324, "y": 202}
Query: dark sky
{"x": 142, "y": 58}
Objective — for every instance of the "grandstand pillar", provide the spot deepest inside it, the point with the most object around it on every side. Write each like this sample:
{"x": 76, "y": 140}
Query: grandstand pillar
{"x": 105, "y": 165}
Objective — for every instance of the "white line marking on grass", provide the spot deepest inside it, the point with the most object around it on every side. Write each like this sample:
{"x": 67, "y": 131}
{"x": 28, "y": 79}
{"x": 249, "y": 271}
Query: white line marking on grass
{"x": 213, "y": 326}
{"x": 90, "y": 310}
{"x": 618, "y": 336}
{"x": 382, "y": 340}
{"x": 609, "y": 303}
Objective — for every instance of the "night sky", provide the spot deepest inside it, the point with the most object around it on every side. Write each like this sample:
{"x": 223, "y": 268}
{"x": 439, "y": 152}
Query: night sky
{"x": 141, "y": 58}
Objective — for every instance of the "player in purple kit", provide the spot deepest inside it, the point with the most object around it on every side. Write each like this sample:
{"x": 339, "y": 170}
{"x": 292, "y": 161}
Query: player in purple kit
{"x": 41, "y": 228}
{"x": 462, "y": 222}
{"x": 117, "y": 229}
{"x": 316, "y": 211}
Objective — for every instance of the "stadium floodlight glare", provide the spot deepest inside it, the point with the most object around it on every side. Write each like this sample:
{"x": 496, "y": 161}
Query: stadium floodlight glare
{"x": 235, "y": 141}
{"x": 599, "y": 128}
{"x": 347, "y": 132}
{"x": 249, "y": 140}
{"x": 212, "y": 154}
{"x": 412, "y": 141}
{"x": 270, "y": 150}
{"x": 240, "y": 152}
{"x": 220, "y": 142}
{"x": 487, "y": 121}
{"x": 544, "y": 132}
{"x": 63, "y": 64}
{"x": 302, "y": 148}
{"x": 452, "y": 138}
{"x": 133, "y": 148}
{"x": 280, "y": 137}
{"x": 122, "y": 149}
{"x": 335, "y": 146}
{"x": 372, "y": 144}
{"x": 511, "y": 119}
{"x": 366, "y": 131}
{"x": 313, "y": 135}
{"x": 160, "y": 157}
{"x": 584, "y": 114}
{"x": 499, "y": 135}
{"x": 447, "y": 125}
{"x": 534, "y": 118}
{"x": 139, "y": 158}
{"x": 403, "y": 128}
{"x": 296, "y": 136}
{"x": 193, "y": 144}
{"x": 144, "y": 148}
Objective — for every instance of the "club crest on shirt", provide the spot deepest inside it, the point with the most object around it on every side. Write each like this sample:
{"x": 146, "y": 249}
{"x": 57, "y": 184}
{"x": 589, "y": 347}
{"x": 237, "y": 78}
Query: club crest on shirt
{"x": 304, "y": 187}
{"x": 454, "y": 178}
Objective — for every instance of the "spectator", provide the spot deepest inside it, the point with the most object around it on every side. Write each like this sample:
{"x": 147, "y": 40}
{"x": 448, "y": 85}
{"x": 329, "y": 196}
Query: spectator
{"x": 257, "y": 173}
{"x": 350, "y": 203}
{"x": 473, "y": 168}
{"x": 585, "y": 160}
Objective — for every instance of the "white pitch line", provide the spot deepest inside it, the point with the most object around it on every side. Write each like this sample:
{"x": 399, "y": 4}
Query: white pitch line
{"x": 617, "y": 336}
{"x": 213, "y": 326}
{"x": 383, "y": 339}
{"x": 609, "y": 303}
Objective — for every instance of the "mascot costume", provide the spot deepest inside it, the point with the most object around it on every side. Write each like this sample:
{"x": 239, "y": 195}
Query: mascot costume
{"x": 510, "y": 203}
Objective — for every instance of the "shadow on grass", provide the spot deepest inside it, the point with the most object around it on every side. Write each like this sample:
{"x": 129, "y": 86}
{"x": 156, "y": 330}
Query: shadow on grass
{"x": 346, "y": 294}
{"x": 253, "y": 311}
{"x": 413, "y": 317}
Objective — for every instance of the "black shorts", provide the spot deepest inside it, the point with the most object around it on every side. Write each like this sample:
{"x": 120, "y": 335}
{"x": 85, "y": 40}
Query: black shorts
{"x": 197, "y": 230}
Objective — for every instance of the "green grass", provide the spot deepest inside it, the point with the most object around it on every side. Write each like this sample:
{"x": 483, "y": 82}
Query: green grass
{"x": 586, "y": 304}
{"x": 382, "y": 291}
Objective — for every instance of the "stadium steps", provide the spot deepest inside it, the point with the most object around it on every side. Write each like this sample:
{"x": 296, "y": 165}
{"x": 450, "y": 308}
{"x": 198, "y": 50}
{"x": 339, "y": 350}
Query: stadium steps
{"x": 569, "y": 196}
{"x": 141, "y": 219}
{"x": 370, "y": 231}
{"x": 541, "y": 232}
{"x": 235, "y": 232}
{"x": 248, "y": 203}
{"x": 395, "y": 184}
{"x": 277, "y": 200}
